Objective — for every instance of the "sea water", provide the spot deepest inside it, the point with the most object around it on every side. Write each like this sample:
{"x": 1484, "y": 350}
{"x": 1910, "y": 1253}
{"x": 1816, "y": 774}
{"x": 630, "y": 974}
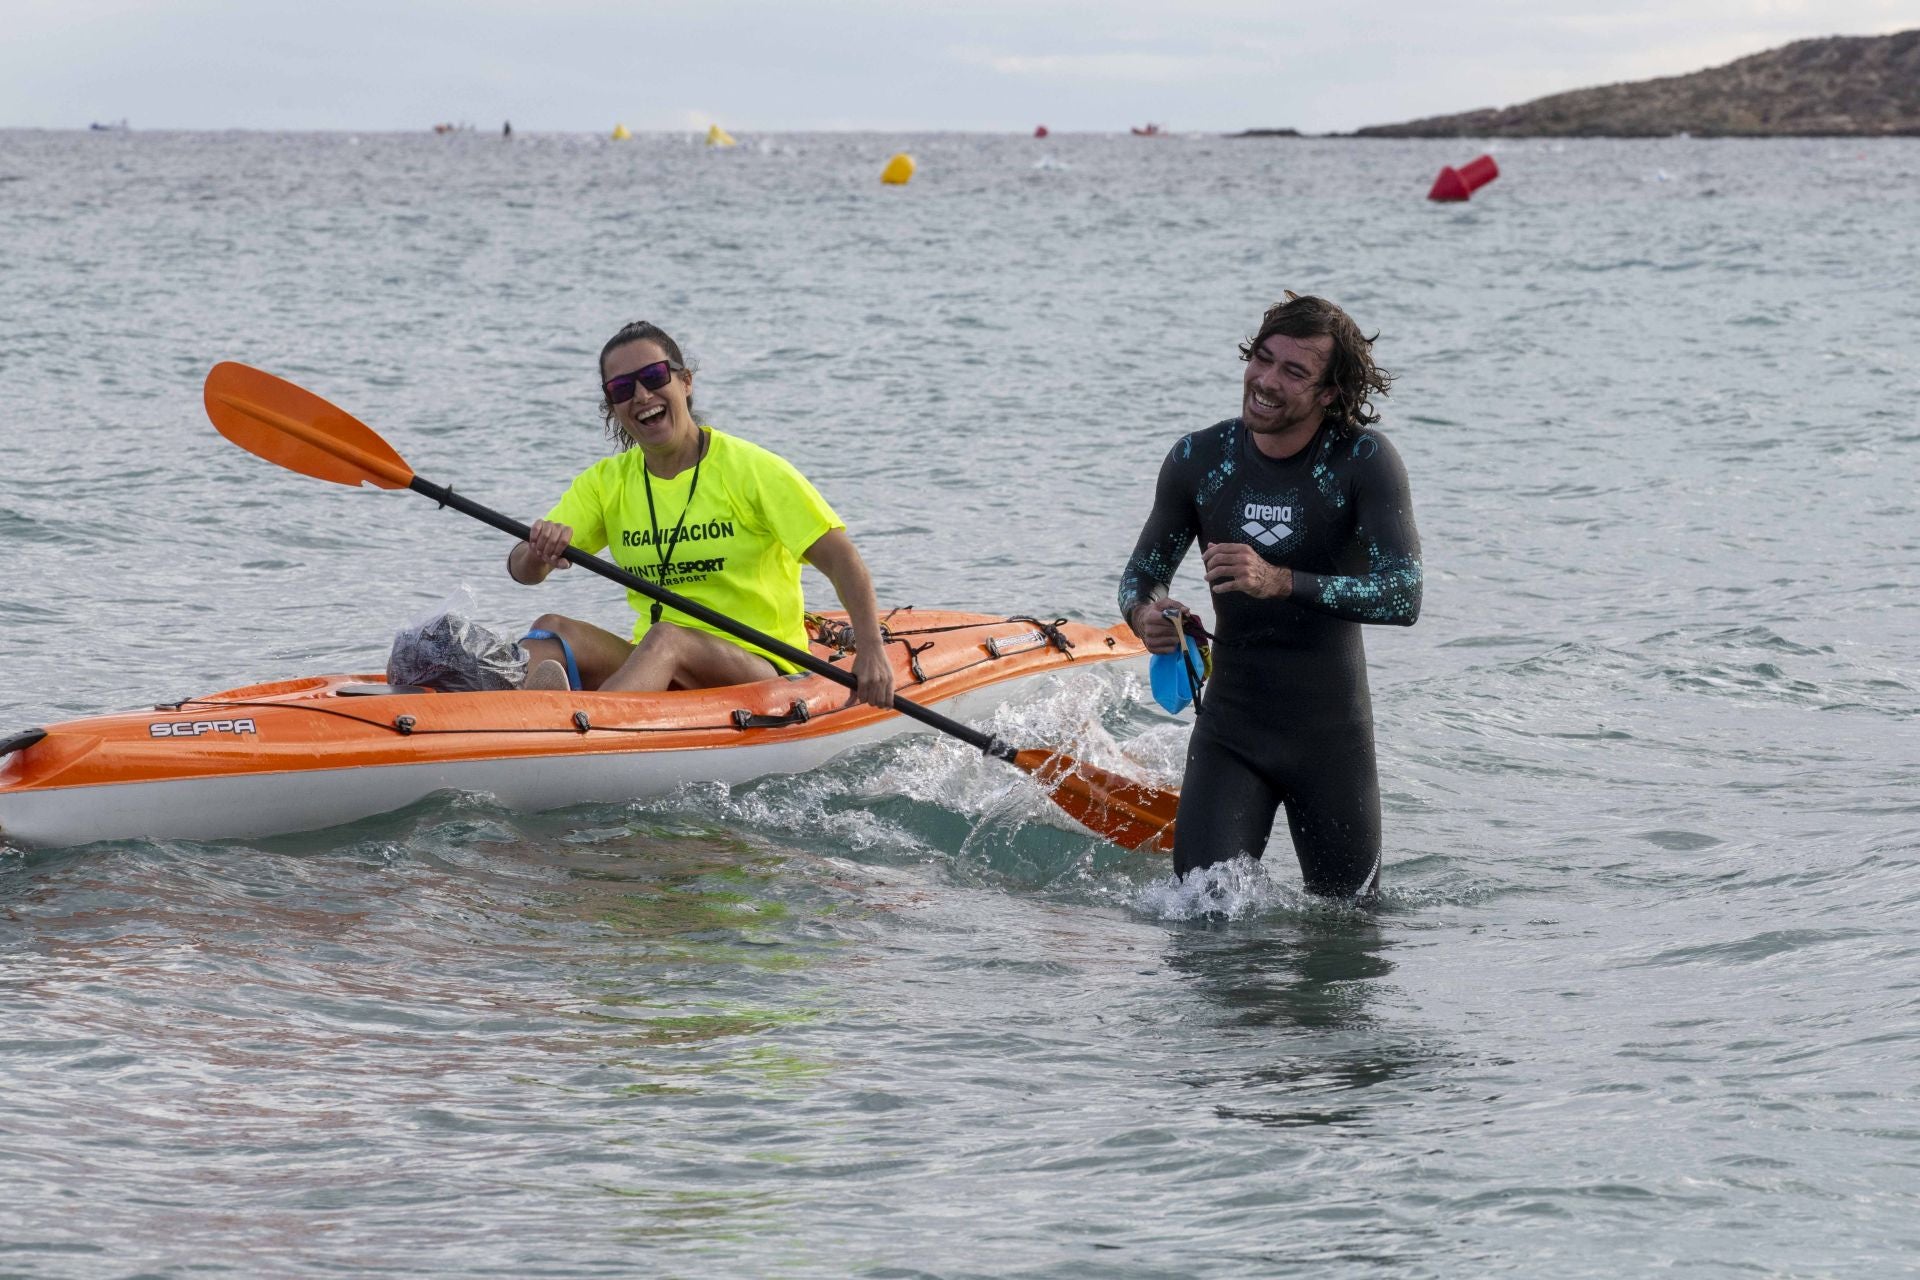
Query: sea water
{"x": 1641, "y": 992}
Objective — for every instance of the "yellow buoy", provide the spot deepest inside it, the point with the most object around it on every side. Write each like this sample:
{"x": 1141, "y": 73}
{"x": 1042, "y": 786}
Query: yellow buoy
{"x": 898, "y": 170}
{"x": 718, "y": 137}
{"x": 620, "y": 133}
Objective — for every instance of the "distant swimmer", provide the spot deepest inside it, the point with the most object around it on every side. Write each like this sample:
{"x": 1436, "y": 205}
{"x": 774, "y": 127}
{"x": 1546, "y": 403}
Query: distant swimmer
{"x": 1306, "y": 532}
{"x": 506, "y": 129}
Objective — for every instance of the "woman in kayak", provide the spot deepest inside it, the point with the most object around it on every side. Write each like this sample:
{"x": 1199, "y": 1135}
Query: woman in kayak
{"x": 705, "y": 514}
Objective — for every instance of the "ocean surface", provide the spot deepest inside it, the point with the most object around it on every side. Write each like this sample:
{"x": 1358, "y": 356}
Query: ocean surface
{"x": 1642, "y": 995}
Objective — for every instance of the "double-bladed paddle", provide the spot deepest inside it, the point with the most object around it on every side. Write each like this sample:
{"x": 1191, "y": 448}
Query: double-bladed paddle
{"x": 295, "y": 428}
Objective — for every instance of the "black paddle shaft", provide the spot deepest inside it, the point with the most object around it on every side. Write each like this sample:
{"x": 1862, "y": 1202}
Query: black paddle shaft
{"x": 446, "y": 497}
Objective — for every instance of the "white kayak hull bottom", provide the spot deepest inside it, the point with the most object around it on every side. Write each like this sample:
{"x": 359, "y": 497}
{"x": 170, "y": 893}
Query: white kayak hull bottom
{"x": 254, "y": 805}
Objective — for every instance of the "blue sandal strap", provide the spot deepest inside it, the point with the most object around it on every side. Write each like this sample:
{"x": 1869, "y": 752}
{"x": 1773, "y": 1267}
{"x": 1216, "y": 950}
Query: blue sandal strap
{"x": 566, "y": 650}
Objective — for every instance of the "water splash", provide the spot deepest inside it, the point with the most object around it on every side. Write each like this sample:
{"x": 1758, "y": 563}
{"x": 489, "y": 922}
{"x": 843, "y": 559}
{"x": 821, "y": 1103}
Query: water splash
{"x": 1231, "y": 890}
{"x": 924, "y": 798}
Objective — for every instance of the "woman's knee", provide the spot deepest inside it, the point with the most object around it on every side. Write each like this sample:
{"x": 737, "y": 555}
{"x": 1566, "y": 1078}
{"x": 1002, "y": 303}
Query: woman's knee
{"x": 667, "y": 639}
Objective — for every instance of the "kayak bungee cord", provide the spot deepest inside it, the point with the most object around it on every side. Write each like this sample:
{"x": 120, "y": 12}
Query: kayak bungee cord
{"x": 826, "y": 628}
{"x": 408, "y": 726}
{"x": 839, "y": 637}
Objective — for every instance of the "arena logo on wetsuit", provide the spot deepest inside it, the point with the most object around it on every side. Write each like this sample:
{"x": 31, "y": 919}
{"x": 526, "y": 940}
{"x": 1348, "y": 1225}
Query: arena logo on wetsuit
{"x": 1267, "y": 524}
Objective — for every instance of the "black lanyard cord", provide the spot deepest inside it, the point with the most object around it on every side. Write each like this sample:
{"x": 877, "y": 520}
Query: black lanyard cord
{"x": 666, "y": 557}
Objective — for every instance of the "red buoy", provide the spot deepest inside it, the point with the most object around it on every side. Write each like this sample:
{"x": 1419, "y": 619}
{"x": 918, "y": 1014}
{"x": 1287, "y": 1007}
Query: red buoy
{"x": 1040, "y": 131}
{"x": 1459, "y": 184}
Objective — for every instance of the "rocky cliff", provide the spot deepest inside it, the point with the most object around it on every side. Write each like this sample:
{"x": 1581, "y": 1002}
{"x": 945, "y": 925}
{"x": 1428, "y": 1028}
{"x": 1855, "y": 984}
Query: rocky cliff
{"x": 1840, "y": 86}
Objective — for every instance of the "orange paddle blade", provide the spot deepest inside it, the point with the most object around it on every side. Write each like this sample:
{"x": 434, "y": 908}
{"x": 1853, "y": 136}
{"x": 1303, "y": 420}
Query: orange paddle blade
{"x": 1128, "y": 813}
{"x": 295, "y": 428}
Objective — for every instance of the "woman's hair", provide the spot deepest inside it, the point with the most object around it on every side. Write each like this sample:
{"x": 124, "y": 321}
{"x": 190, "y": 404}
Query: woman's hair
{"x": 1350, "y": 371}
{"x": 635, "y": 331}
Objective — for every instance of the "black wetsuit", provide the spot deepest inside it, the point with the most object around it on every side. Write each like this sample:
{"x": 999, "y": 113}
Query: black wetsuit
{"x": 1286, "y": 717}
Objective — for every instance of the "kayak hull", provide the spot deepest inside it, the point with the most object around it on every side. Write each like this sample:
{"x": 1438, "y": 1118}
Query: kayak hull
{"x": 307, "y": 754}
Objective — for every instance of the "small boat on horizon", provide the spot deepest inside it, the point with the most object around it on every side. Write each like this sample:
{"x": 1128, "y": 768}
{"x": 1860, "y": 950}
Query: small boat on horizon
{"x": 1148, "y": 130}
{"x": 119, "y": 126}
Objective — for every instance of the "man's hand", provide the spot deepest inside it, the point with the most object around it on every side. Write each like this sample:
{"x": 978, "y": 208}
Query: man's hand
{"x": 1235, "y": 566}
{"x": 1150, "y": 623}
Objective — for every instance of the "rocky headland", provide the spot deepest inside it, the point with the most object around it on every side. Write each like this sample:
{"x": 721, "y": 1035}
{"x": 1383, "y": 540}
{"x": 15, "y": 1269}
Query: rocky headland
{"x": 1840, "y": 86}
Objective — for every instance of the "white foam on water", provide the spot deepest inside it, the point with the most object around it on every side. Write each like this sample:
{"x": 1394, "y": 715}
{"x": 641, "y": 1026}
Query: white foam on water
{"x": 1231, "y": 890}
{"x": 896, "y": 801}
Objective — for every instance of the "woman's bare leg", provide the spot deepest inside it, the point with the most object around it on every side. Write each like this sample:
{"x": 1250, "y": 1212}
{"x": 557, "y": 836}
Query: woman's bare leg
{"x": 597, "y": 653}
{"x": 676, "y": 657}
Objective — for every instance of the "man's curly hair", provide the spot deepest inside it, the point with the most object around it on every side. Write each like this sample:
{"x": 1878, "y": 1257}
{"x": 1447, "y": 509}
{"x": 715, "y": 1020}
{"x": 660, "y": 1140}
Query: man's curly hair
{"x": 1350, "y": 371}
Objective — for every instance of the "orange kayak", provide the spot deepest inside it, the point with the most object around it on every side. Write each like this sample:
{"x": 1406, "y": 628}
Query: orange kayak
{"x": 298, "y": 755}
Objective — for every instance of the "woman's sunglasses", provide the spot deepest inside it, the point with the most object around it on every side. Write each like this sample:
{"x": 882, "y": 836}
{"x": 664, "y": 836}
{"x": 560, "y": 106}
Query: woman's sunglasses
{"x": 655, "y": 376}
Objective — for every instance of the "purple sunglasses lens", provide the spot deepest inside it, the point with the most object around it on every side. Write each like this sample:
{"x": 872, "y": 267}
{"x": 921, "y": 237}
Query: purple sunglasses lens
{"x": 655, "y": 376}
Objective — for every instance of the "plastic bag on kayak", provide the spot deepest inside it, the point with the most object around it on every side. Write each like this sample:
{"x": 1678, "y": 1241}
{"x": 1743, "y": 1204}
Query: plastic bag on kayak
{"x": 447, "y": 650}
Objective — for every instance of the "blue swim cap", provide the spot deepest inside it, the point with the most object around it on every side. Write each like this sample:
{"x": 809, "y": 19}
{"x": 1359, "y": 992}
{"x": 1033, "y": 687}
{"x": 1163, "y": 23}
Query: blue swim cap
{"x": 1172, "y": 685}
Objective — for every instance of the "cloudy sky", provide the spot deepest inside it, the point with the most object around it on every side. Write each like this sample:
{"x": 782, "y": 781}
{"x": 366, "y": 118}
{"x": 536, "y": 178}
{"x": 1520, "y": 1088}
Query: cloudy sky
{"x": 763, "y": 65}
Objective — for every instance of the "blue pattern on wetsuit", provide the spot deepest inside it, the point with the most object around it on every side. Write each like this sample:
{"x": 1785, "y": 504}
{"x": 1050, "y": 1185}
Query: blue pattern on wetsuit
{"x": 1354, "y": 551}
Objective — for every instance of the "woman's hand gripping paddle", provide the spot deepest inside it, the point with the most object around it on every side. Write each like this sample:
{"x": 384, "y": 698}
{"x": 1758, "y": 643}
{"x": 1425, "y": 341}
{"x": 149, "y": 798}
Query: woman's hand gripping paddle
{"x": 298, "y": 430}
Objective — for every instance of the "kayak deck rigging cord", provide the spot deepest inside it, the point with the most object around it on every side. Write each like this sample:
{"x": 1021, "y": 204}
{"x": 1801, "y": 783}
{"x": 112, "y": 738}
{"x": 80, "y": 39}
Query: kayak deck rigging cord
{"x": 829, "y": 633}
{"x": 839, "y": 637}
{"x": 409, "y": 726}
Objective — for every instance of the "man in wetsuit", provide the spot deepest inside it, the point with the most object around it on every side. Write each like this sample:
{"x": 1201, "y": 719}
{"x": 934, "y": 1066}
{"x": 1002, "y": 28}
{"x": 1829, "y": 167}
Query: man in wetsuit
{"x": 1306, "y": 532}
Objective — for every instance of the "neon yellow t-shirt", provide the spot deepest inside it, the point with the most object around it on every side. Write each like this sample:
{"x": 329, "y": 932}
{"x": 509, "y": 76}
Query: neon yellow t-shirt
{"x": 749, "y": 521}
